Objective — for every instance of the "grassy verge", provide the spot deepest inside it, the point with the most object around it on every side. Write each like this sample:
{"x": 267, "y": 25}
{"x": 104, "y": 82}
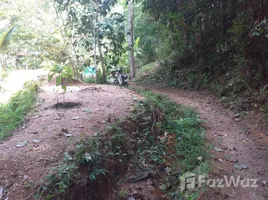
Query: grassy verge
{"x": 12, "y": 114}
{"x": 158, "y": 135}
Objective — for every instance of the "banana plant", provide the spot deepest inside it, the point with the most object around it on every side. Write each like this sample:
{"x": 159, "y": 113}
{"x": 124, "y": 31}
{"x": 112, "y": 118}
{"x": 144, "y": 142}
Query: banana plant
{"x": 6, "y": 36}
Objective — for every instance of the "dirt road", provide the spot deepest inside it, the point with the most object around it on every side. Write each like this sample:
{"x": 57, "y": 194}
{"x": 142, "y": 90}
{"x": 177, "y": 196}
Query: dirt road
{"x": 235, "y": 139}
{"x": 15, "y": 81}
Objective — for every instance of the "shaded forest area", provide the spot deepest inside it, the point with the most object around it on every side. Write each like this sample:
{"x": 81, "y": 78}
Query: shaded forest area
{"x": 220, "y": 45}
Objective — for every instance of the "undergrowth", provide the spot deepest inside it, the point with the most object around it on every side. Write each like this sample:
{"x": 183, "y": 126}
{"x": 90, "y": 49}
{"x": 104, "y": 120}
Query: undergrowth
{"x": 158, "y": 134}
{"x": 232, "y": 87}
{"x": 12, "y": 114}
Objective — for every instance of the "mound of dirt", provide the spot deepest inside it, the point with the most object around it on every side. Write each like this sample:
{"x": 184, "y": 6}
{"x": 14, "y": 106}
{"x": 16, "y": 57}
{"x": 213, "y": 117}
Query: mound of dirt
{"x": 113, "y": 162}
{"x": 21, "y": 168}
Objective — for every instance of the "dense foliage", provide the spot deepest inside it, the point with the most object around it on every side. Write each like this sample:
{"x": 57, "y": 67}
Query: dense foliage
{"x": 29, "y": 34}
{"x": 219, "y": 44}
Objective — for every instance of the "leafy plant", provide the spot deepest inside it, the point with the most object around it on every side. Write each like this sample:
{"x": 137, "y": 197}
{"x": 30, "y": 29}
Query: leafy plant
{"x": 63, "y": 74}
{"x": 6, "y": 36}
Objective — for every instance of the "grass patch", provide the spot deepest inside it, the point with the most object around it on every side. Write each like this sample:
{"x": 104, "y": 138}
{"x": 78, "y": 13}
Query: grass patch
{"x": 159, "y": 134}
{"x": 12, "y": 114}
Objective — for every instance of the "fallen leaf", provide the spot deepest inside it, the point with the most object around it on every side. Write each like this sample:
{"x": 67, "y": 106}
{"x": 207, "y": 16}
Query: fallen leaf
{"x": 240, "y": 166}
{"x": 218, "y": 149}
{"x": 237, "y": 115}
{"x": 87, "y": 110}
{"x": 22, "y": 144}
{"x": 37, "y": 141}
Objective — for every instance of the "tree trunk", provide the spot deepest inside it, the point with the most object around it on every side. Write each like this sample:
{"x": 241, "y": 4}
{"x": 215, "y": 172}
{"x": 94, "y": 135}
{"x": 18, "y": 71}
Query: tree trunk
{"x": 102, "y": 62}
{"x": 131, "y": 41}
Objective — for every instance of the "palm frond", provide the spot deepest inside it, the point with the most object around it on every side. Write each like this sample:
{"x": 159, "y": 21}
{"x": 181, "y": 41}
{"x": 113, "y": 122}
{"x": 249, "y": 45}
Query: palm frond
{"x": 6, "y": 36}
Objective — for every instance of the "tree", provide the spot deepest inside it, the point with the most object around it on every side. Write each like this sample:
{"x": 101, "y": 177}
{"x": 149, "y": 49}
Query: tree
{"x": 94, "y": 28}
{"x": 131, "y": 41}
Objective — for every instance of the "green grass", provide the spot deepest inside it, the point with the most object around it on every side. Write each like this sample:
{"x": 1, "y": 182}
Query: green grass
{"x": 147, "y": 68}
{"x": 12, "y": 114}
{"x": 190, "y": 153}
{"x": 185, "y": 123}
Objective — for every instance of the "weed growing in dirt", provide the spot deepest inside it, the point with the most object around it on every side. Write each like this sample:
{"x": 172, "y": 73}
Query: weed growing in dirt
{"x": 12, "y": 114}
{"x": 159, "y": 136}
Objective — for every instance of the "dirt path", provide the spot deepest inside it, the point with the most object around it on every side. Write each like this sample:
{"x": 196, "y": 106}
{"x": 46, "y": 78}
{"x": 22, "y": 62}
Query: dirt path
{"x": 50, "y": 132}
{"x": 15, "y": 81}
{"x": 238, "y": 140}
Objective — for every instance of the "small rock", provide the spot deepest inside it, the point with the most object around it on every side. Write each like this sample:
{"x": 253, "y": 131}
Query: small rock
{"x": 37, "y": 141}
{"x": 68, "y": 135}
{"x": 75, "y": 118}
{"x": 135, "y": 192}
{"x": 25, "y": 177}
{"x": 240, "y": 166}
{"x": 135, "y": 98}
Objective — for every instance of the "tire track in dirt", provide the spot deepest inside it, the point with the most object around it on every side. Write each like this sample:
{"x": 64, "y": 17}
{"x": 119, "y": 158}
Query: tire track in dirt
{"x": 242, "y": 140}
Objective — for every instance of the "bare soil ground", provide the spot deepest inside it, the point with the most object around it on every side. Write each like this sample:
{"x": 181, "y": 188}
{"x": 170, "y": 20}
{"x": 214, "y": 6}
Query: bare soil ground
{"x": 243, "y": 140}
{"x": 50, "y": 132}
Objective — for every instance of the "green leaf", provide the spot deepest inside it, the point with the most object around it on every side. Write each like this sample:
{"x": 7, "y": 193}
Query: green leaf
{"x": 58, "y": 80}
{"x": 88, "y": 157}
{"x": 67, "y": 157}
{"x": 64, "y": 87}
{"x": 218, "y": 149}
{"x": 5, "y": 37}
